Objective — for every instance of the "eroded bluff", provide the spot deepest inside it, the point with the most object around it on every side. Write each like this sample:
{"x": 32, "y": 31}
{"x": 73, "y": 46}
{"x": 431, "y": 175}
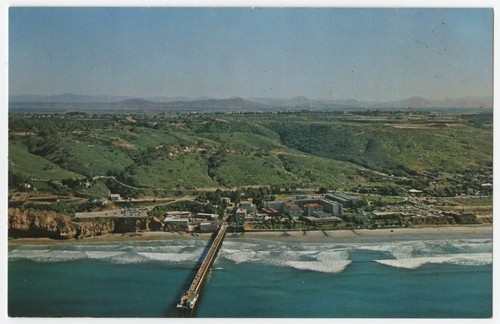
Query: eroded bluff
{"x": 32, "y": 223}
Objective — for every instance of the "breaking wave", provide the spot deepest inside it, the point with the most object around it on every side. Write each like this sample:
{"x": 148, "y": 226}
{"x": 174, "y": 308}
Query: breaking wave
{"x": 320, "y": 266}
{"x": 239, "y": 256}
{"x": 325, "y": 258}
{"x": 469, "y": 259}
{"x": 114, "y": 253}
{"x": 334, "y": 258}
{"x": 319, "y": 257}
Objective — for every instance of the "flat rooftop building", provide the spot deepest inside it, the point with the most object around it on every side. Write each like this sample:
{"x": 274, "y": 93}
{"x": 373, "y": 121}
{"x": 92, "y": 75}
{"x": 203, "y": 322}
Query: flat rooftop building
{"x": 179, "y": 214}
{"x": 344, "y": 200}
{"x": 208, "y": 227}
{"x": 181, "y": 222}
{"x": 310, "y": 220}
{"x": 320, "y": 214}
{"x": 310, "y": 208}
{"x": 207, "y": 216}
{"x": 246, "y": 205}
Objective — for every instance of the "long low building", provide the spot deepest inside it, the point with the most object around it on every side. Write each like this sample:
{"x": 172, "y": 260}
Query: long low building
{"x": 207, "y": 216}
{"x": 181, "y": 222}
{"x": 343, "y": 199}
{"x": 208, "y": 226}
{"x": 310, "y": 220}
{"x": 178, "y": 214}
{"x": 320, "y": 214}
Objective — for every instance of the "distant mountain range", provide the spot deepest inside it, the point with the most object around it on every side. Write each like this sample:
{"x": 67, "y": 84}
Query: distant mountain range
{"x": 413, "y": 102}
{"x": 75, "y": 98}
{"x": 70, "y": 100}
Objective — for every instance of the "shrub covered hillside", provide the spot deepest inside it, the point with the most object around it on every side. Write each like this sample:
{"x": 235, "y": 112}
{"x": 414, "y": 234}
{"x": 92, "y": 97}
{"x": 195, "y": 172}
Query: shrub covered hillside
{"x": 153, "y": 155}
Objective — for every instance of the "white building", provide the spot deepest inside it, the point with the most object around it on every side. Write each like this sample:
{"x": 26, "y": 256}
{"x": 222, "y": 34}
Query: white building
{"x": 248, "y": 206}
{"x": 178, "y": 214}
{"x": 181, "y": 222}
{"x": 208, "y": 226}
{"x": 207, "y": 216}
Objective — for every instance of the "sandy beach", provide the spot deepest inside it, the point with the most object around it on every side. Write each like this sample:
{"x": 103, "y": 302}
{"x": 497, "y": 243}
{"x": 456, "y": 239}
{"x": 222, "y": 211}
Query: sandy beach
{"x": 298, "y": 236}
{"x": 361, "y": 234}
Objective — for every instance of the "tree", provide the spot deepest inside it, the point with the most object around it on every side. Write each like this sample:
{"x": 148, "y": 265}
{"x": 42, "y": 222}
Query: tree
{"x": 16, "y": 179}
{"x": 273, "y": 222}
{"x": 322, "y": 190}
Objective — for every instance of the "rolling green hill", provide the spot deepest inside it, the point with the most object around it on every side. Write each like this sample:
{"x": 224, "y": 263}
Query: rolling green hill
{"x": 301, "y": 149}
{"x": 29, "y": 165}
{"x": 397, "y": 148}
{"x": 188, "y": 171}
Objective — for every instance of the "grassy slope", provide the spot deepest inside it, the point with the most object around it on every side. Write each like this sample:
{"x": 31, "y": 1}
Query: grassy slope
{"x": 140, "y": 138}
{"x": 188, "y": 171}
{"x": 384, "y": 147}
{"x": 246, "y": 142}
{"x": 444, "y": 149}
{"x": 241, "y": 169}
{"x": 98, "y": 189}
{"x": 90, "y": 158}
{"x": 319, "y": 171}
{"x": 33, "y": 166}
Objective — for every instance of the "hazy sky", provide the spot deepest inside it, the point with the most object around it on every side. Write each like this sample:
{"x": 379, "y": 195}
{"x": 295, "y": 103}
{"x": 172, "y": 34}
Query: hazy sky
{"x": 365, "y": 54}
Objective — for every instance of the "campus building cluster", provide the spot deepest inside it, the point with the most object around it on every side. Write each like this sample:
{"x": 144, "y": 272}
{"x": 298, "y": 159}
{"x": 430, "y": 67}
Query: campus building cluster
{"x": 314, "y": 210}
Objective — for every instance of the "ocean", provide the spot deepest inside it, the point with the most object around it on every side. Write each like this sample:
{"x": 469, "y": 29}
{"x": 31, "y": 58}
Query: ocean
{"x": 407, "y": 277}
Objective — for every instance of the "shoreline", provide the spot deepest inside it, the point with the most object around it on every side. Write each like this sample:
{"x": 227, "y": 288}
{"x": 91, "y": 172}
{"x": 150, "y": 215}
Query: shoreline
{"x": 363, "y": 234}
{"x": 298, "y": 236}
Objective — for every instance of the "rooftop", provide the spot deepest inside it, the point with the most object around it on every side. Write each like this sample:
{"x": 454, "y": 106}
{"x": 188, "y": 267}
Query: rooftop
{"x": 313, "y": 205}
{"x": 292, "y": 207}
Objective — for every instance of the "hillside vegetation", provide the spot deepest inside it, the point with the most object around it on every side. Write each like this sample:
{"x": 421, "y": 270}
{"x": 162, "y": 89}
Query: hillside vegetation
{"x": 154, "y": 155}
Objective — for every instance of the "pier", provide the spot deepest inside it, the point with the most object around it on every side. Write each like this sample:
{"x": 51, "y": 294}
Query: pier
{"x": 189, "y": 299}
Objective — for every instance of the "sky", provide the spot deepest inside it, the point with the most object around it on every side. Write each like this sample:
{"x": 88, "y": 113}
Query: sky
{"x": 320, "y": 53}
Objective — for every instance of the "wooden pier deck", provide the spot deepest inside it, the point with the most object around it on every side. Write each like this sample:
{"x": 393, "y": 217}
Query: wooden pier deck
{"x": 189, "y": 299}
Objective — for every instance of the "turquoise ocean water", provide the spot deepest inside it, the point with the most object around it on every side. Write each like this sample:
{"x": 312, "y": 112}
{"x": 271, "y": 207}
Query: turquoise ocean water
{"x": 414, "y": 277}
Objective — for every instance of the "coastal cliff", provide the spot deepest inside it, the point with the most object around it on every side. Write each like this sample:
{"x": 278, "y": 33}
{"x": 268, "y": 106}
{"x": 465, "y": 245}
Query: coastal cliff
{"x": 32, "y": 223}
